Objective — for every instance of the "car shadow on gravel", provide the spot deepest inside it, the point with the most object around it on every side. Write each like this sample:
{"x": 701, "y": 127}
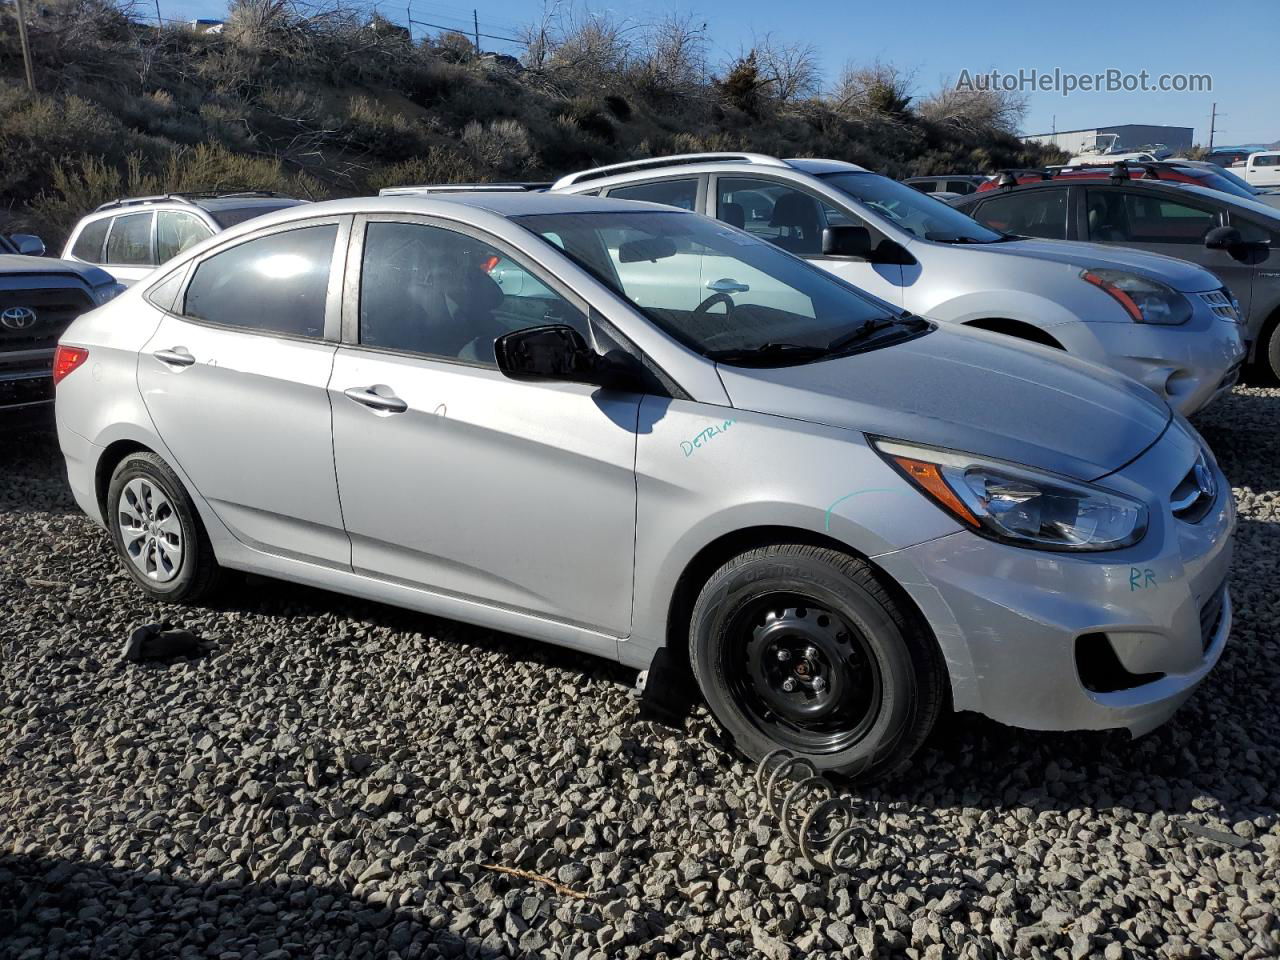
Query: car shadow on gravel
{"x": 33, "y": 477}
{"x": 96, "y": 910}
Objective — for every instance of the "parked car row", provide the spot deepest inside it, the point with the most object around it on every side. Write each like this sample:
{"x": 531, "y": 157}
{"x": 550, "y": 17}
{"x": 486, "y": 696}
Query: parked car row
{"x": 834, "y": 445}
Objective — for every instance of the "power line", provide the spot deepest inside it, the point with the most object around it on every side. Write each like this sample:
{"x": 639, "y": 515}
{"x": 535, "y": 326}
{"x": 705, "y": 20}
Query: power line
{"x": 487, "y": 36}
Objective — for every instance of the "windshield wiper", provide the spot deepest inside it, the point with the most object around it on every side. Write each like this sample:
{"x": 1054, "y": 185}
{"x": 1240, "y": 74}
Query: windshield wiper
{"x": 789, "y": 352}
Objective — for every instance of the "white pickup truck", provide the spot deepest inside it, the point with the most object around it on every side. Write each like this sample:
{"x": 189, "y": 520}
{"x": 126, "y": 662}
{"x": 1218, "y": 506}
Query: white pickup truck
{"x": 1262, "y": 169}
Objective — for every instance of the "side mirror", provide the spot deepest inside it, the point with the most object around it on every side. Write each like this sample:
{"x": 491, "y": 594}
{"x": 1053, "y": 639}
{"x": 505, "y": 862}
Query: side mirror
{"x": 28, "y": 244}
{"x": 846, "y": 241}
{"x": 1223, "y": 238}
{"x": 558, "y": 352}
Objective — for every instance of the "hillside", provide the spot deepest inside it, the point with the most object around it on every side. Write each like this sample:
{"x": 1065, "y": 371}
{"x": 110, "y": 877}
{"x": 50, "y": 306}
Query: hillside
{"x": 332, "y": 104}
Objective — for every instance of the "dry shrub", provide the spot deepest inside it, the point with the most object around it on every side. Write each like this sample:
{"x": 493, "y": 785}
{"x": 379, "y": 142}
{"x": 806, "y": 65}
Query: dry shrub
{"x": 436, "y": 165}
{"x": 503, "y": 145}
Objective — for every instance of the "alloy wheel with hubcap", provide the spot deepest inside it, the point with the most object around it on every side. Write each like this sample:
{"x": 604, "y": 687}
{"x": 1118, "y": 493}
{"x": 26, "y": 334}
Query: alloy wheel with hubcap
{"x": 157, "y": 532}
{"x": 150, "y": 530}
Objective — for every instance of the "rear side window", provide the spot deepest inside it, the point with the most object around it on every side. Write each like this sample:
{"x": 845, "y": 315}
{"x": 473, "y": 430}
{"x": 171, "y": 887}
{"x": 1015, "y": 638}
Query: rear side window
{"x": 176, "y": 232}
{"x": 275, "y": 284}
{"x": 88, "y": 246}
{"x": 129, "y": 243}
{"x": 674, "y": 193}
{"x": 1035, "y": 213}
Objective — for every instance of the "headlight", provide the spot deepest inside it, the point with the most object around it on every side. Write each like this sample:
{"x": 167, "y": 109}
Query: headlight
{"x": 1016, "y": 504}
{"x": 1146, "y": 301}
{"x": 108, "y": 292}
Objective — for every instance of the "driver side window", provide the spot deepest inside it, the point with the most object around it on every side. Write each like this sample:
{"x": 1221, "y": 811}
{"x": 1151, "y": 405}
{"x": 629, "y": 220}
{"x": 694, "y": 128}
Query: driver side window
{"x": 436, "y": 292}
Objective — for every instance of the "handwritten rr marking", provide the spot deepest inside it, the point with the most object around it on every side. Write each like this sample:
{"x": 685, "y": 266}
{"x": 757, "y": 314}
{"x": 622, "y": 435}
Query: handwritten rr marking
{"x": 1141, "y": 579}
{"x": 688, "y": 446}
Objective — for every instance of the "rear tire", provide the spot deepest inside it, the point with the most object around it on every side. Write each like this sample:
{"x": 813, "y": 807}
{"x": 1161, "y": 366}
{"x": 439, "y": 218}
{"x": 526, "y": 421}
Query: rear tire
{"x": 157, "y": 532}
{"x": 1270, "y": 353}
{"x": 773, "y": 620}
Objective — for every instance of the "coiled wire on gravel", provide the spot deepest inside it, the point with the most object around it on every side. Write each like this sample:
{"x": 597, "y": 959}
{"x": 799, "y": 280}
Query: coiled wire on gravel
{"x": 831, "y": 836}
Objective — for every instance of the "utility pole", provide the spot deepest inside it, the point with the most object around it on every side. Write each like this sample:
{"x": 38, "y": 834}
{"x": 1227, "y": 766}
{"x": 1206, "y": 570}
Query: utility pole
{"x": 475, "y": 22}
{"x": 21, "y": 11}
{"x": 408, "y": 19}
{"x": 1213, "y": 124}
{"x": 159, "y": 20}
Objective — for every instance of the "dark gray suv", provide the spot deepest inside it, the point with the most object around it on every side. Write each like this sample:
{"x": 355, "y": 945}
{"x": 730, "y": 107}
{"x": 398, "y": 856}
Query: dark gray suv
{"x": 1233, "y": 237}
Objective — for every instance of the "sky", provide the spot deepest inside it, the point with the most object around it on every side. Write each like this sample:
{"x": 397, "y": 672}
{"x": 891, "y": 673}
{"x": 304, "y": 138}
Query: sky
{"x": 1235, "y": 44}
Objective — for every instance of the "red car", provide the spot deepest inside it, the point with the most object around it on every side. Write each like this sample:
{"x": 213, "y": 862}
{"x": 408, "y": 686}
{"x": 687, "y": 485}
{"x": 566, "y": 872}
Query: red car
{"x": 1121, "y": 170}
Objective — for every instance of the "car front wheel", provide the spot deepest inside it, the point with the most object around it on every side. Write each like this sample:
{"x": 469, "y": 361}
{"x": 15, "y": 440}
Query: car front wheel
{"x": 802, "y": 648}
{"x": 157, "y": 532}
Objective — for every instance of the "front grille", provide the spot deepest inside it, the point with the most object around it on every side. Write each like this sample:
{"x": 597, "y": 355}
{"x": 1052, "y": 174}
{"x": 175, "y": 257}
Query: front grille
{"x": 1195, "y": 493}
{"x": 1211, "y": 616}
{"x": 1222, "y": 304}
{"x": 55, "y": 309}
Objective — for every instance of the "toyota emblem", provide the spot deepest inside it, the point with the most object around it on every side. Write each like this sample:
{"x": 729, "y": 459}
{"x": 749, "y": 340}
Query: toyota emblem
{"x": 18, "y": 318}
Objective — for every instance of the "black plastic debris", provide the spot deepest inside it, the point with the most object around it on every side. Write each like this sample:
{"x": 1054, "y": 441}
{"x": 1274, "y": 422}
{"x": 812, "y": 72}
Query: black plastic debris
{"x": 666, "y": 691}
{"x": 159, "y": 641}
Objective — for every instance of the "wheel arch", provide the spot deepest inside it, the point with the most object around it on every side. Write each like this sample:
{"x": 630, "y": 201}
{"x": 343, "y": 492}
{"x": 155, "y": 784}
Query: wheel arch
{"x": 110, "y": 458}
{"x": 719, "y": 551}
{"x": 1016, "y": 328}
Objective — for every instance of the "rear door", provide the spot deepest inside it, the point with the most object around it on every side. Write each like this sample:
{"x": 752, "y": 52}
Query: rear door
{"x": 235, "y": 379}
{"x": 130, "y": 247}
{"x": 454, "y": 478}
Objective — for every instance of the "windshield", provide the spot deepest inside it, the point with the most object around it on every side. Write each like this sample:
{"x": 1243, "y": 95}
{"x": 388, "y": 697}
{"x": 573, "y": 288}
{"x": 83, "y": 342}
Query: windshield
{"x": 1244, "y": 203}
{"x": 718, "y": 290}
{"x": 1244, "y": 187}
{"x": 1216, "y": 181}
{"x": 230, "y": 216}
{"x": 919, "y": 214}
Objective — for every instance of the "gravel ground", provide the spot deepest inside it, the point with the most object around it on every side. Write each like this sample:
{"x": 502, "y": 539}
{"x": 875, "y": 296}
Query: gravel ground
{"x": 332, "y": 777}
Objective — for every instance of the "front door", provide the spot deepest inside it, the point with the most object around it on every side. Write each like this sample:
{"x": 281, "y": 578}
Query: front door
{"x": 455, "y": 478}
{"x": 1160, "y": 224}
{"x": 235, "y": 380}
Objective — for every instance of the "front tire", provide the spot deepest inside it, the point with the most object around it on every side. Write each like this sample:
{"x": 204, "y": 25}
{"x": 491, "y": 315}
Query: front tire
{"x": 802, "y": 648}
{"x": 157, "y": 532}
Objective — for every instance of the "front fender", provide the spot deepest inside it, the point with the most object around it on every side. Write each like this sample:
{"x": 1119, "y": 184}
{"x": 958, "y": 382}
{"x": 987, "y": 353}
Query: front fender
{"x": 759, "y": 471}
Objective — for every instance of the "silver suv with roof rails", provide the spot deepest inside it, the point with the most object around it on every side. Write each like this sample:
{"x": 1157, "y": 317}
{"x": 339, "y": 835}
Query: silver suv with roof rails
{"x": 1168, "y": 324}
{"x": 130, "y": 237}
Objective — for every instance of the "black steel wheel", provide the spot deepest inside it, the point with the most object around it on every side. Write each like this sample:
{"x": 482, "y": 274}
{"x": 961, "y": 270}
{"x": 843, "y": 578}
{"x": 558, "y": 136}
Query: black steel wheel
{"x": 804, "y": 648}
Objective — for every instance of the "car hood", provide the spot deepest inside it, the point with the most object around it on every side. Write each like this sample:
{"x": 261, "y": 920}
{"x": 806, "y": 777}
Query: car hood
{"x": 1179, "y": 274}
{"x": 14, "y": 264}
{"x": 973, "y": 391}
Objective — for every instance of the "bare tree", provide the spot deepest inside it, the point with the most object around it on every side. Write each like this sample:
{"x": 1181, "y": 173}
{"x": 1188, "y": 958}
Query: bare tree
{"x": 789, "y": 71}
{"x": 671, "y": 55}
{"x": 976, "y": 109}
{"x": 880, "y": 90}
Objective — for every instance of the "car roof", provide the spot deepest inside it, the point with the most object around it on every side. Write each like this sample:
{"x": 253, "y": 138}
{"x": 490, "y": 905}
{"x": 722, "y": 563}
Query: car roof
{"x": 696, "y": 163}
{"x": 214, "y": 204}
{"x": 502, "y": 204}
{"x": 1158, "y": 186}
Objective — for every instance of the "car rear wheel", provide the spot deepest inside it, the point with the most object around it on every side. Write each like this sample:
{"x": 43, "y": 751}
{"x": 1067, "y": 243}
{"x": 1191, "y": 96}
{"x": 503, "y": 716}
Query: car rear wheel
{"x": 802, "y": 648}
{"x": 157, "y": 532}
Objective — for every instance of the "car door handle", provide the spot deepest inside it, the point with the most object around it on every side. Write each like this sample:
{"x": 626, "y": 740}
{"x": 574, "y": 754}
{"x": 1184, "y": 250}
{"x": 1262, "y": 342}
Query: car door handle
{"x": 728, "y": 285}
{"x": 377, "y": 401}
{"x": 178, "y": 356}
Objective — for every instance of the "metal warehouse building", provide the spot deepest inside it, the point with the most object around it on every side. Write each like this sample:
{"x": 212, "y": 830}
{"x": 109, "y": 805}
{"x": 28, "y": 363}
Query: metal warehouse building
{"x": 1131, "y": 135}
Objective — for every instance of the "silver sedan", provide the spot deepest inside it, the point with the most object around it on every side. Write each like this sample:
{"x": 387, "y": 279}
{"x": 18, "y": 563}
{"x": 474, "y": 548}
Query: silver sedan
{"x": 624, "y": 428}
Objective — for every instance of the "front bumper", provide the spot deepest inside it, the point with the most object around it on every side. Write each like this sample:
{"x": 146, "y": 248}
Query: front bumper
{"x": 1190, "y": 366}
{"x": 1020, "y": 628}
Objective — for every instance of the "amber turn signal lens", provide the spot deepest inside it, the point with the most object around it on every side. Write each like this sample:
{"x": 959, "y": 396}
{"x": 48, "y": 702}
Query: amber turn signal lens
{"x": 926, "y": 476}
